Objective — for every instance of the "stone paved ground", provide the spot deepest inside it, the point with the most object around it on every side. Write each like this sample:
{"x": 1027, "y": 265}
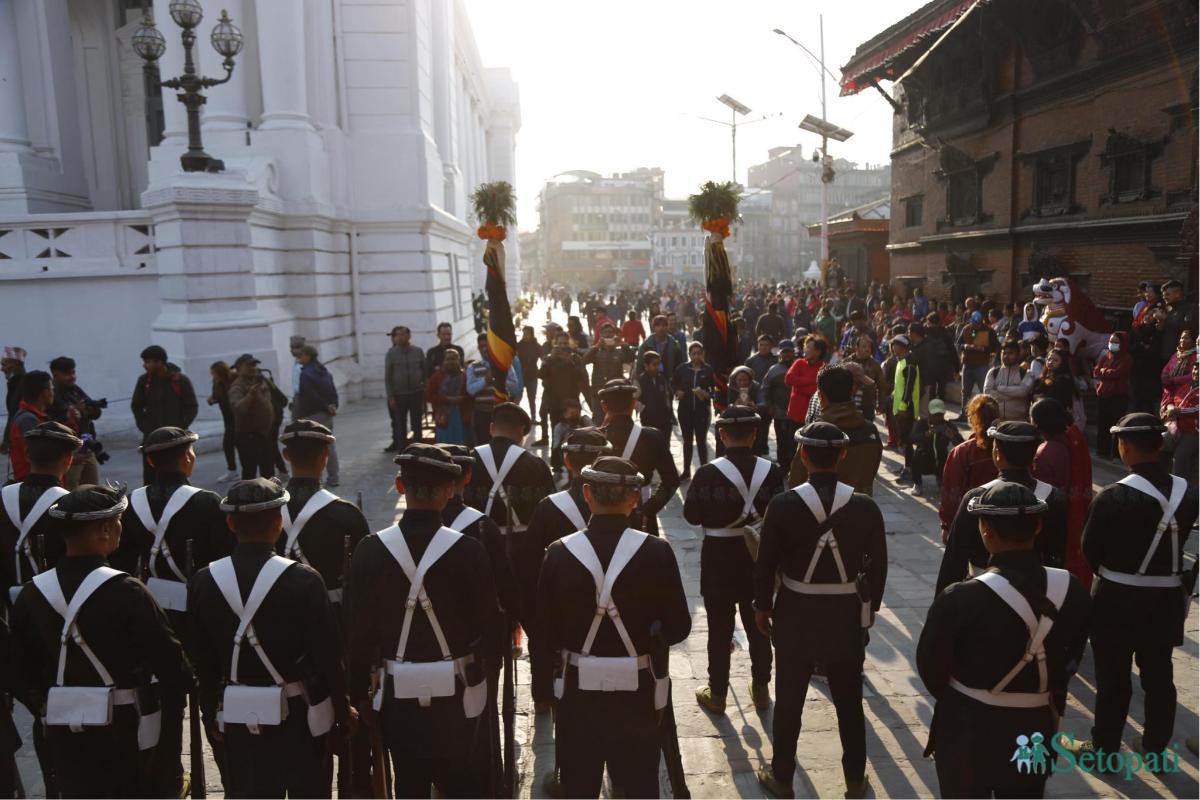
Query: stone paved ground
{"x": 721, "y": 755}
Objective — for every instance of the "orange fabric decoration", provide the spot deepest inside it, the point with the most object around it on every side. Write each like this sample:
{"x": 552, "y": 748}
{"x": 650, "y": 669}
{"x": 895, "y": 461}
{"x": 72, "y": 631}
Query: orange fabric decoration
{"x": 495, "y": 233}
{"x": 720, "y": 225}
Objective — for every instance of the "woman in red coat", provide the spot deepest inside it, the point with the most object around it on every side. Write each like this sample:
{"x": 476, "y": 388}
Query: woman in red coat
{"x": 802, "y": 376}
{"x": 1112, "y": 373}
{"x": 970, "y": 463}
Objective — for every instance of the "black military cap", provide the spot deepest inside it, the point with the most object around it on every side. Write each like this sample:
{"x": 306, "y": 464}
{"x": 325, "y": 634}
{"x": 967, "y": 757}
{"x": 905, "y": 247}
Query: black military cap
{"x": 57, "y": 432}
{"x": 1138, "y": 422}
{"x": 460, "y": 454}
{"x": 617, "y": 386}
{"x": 511, "y": 414}
{"x": 420, "y": 456}
{"x": 587, "y": 440}
{"x": 1006, "y": 499}
{"x": 90, "y": 503}
{"x": 821, "y": 434}
{"x": 307, "y": 429}
{"x": 167, "y": 438}
{"x": 258, "y": 494}
{"x": 1014, "y": 431}
{"x": 614, "y": 471}
{"x": 737, "y": 415}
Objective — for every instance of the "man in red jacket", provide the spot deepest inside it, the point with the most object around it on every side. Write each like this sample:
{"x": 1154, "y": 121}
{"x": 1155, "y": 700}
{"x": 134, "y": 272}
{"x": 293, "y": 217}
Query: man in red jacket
{"x": 802, "y": 377}
{"x": 37, "y": 394}
{"x": 1112, "y": 373}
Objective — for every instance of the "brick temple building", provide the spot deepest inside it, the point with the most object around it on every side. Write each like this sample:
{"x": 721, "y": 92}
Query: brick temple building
{"x": 1037, "y": 138}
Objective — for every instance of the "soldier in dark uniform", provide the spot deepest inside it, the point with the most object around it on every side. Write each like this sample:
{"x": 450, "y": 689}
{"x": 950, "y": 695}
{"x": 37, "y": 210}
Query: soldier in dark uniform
{"x": 554, "y": 517}
{"x": 506, "y": 473}
{"x": 164, "y": 519}
{"x": 423, "y": 617}
{"x": 644, "y": 446}
{"x": 120, "y": 640}
{"x": 1001, "y": 689}
{"x": 825, "y": 604}
{"x": 1133, "y": 540}
{"x": 265, "y": 634}
{"x": 1014, "y": 444}
{"x": 608, "y": 694}
{"x": 28, "y": 534}
{"x": 727, "y": 495}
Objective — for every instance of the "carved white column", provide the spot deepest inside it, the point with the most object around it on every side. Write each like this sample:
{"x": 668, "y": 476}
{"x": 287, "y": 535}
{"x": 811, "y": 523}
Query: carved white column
{"x": 282, "y": 64}
{"x": 14, "y": 130}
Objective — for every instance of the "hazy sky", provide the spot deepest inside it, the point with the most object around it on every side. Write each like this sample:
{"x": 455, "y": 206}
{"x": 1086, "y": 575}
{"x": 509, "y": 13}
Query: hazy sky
{"x": 620, "y": 84}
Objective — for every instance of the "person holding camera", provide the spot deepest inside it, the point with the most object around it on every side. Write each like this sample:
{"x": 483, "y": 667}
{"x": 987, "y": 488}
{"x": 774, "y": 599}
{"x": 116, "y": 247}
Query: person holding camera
{"x": 253, "y": 418}
{"x": 72, "y": 407}
{"x": 163, "y": 397}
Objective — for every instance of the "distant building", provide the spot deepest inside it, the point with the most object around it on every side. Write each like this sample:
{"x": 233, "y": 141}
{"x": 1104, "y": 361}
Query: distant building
{"x": 531, "y": 261}
{"x": 858, "y": 239}
{"x": 784, "y": 248}
{"x": 677, "y": 245}
{"x": 596, "y": 231}
{"x": 1037, "y": 138}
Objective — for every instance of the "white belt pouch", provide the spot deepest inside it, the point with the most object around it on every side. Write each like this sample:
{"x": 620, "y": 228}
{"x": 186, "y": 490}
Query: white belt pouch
{"x": 254, "y": 705}
{"x": 608, "y": 674}
{"x": 79, "y": 706}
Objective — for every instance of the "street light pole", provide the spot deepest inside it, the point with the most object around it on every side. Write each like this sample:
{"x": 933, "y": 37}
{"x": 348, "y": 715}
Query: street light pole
{"x": 824, "y": 155}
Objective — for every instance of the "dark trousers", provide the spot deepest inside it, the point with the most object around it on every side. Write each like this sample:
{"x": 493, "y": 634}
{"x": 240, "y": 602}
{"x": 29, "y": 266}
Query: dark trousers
{"x": 793, "y": 670}
{"x": 959, "y": 776}
{"x": 541, "y": 665}
{"x": 904, "y": 425}
{"x": 1114, "y": 690}
{"x": 257, "y": 453}
{"x": 785, "y": 442}
{"x": 408, "y": 411}
{"x": 1109, "y": 410}
{"x": 720, "y": 612}
{"x": 168, "y": 754}
{"x": 617, "y": 729}
{"x": 693, "y": 428}
{"x": 100, "y": 761}
{"x": 281, "y": 759}
{"x": 227, "y": 438}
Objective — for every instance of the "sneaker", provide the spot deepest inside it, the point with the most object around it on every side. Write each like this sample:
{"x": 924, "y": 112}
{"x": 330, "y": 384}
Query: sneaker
{"x": 858, "y": 788}
{"x": 231, "y": 475}
{"x": 774, "y": 786}
{"x": 760, "y": 695}
{"x": 1076, "y": 747}
{"x": 915, "y": 490}
{"x": 710, "y": 701}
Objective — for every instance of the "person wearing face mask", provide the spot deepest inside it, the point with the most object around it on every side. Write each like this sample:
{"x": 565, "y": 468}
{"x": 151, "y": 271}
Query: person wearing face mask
{"x": 1010, "y": 384}
{"x": 608, "y": 359}
{"x": 1112, "y": 373}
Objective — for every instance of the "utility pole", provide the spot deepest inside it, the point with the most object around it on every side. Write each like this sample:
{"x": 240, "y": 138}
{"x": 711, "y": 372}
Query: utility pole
{"x": 735, "y": 108}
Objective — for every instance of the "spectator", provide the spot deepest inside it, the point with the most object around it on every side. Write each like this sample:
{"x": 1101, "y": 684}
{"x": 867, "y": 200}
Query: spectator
{"x": 253, "y": 418}
{"x": 317, "y": 400}
{"x": 632, "y": 330}
{"x": 824, "y": 323}
{"x": 481, "y": 387}
{"x": 1177, "y": 374}
{"x": 1180, "y": 316}
{"x": 570, "y": 417}
{"x": 978, "y": 345}
{"x": 1064, "y": 461}
{"x": 939, "y": 365}
{"x": 576, "y": 335}
{"x": 835, "y": 388}
{"x": 222, "y": 378}
{"x": 802, "y": 377}
{"x": 864, "y": 356}
{"x": 656, "y": 409}
{"x": 162, "y": 397}
{"x": 448, "y": 397}
{"x": 906, "y": 400}
{"x": 294, "y": 345}
{"x": 529, "y": 350}
{"x": 744, "y": 390}
{"x": 1180, "y": 414}
{"x": 608, "y": 359}
{"x": 563, "y": 376}
{"x": 598, "y": 320}
{"x": 37, "y": 396}
{"x": 920, "y": 303}
{"x": 856, "y": 328}
{"x": 72, "y": 407}
{"x": 771, "y": 324}
{"x": 1030, "y": 327}
{"x": 1055, "y": 381}
{"x": 763, "y": 359}
{"x": 445, "y": 337}
{"x": 970, "y": 463}
{"x": 775, "y": 397}
{"x": 932, "y": 440}
{"x": 12, "y": 364}
{"x": 887, "y": 386}
{"x": 1145, "y": 344}
{"x": 404, "y": 382}
{"x": 744, "y": 345}
{"x": 1010, "y": 383}
{"x": 662, "y": 342}
{"x": 694, "y": 385}
{"x": 1112, "y": 374}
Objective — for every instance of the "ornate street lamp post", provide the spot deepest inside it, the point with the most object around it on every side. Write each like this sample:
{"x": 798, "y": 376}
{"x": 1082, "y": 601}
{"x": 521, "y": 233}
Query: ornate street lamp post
{"x": 226, "y": 39}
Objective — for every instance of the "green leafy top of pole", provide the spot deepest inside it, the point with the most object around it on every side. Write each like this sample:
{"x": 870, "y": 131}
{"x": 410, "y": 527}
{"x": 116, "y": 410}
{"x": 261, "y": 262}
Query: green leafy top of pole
{"x": 716, "y": 206}
{"x": 495, "y": 207}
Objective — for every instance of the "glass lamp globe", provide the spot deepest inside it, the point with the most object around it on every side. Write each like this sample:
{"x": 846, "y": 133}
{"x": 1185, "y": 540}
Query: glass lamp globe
{"x": 148, "y": 42}
{"x": 186, "y": 13}
{"x": 226, "y": 38}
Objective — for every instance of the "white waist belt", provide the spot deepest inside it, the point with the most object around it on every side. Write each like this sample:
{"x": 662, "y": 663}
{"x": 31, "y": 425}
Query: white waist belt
{"x": 460, "y": 663}
{"x": 819, "y": 588}
{"x": 124, "y": 697}
{"x": 725, "y": 533}
{"x": 1005, "y": 699}
{"x": 1144, "y": 581}
{"x": 643, "y": 662}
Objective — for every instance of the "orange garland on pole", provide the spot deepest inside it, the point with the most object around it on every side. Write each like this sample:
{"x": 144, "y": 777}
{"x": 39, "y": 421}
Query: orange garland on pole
{"x": 720, "y": 225}
{"x": 494, "y": 233}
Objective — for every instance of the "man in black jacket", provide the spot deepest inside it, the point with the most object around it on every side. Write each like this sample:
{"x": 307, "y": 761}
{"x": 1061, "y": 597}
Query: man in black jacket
{"x": 728, "y": 494}
{"x": 644, "y": 446}
{"x": 317, "y": 399}
{"x": 825, "y": 605}
{"x": 73, "y": 408}
{"x": 506, "y": 474}
{"x": 977, "y": 655}
{"x": 163, "y": 397}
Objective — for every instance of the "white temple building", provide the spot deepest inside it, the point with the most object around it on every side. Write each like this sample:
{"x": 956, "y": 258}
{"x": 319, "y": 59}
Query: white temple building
{"x": 352, "y": 132}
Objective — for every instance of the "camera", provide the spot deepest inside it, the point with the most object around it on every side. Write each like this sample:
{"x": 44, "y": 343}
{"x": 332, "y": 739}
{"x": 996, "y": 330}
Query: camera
{"x": 97, "y": 449}
{"x": 101, "y": 403}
